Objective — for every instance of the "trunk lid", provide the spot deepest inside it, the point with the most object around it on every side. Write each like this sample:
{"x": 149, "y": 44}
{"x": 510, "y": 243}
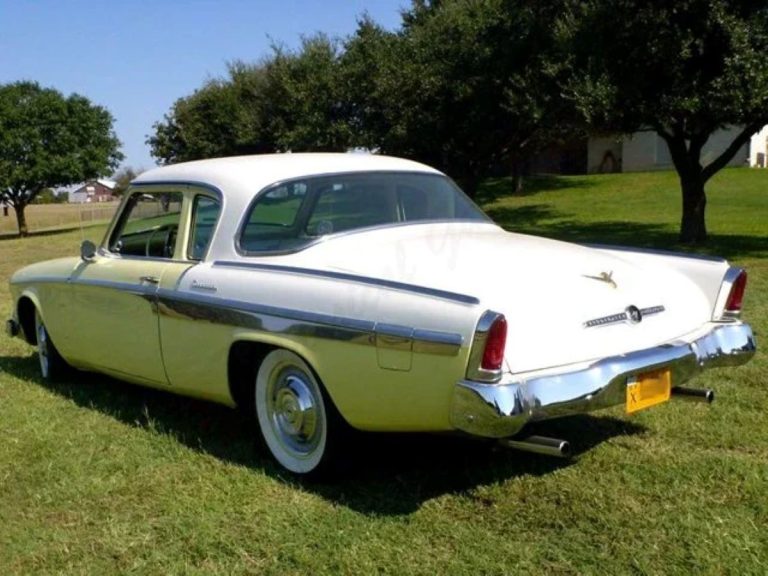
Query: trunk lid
{"x": 547, "y": 289}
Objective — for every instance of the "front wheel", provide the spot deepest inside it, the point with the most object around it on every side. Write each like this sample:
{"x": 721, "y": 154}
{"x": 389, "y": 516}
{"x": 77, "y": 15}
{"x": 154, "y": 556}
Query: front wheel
{"x": 296, "y": 421}
{"x": 52, "y": 365}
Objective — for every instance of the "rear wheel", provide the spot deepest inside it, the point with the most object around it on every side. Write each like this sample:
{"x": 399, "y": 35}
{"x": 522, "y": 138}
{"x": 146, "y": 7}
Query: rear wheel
{"x": 298, "y": 423}
{"x": 52, "y": 365}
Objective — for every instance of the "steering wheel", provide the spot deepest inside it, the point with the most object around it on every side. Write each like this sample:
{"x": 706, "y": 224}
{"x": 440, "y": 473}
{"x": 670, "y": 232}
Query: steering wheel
{"x": 170, "y": 238}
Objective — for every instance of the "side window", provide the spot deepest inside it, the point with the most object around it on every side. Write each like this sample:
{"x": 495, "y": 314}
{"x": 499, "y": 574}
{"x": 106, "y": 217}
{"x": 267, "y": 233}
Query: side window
{"x": 273, "y": 223}
{"x": 344, "y": 206}
{"x": 205, "y": 214}
{"x": 149, "y": 225}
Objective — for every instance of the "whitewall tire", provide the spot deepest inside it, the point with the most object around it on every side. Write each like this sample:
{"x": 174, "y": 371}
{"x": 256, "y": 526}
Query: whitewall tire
{"x": 293, "y": 415}
{"x": 52, "y": 365}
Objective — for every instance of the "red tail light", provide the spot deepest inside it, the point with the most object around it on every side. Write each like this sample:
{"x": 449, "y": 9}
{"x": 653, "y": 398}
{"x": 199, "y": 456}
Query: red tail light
{"x": 735, "y": 298}
{"x": 493, "y": 355}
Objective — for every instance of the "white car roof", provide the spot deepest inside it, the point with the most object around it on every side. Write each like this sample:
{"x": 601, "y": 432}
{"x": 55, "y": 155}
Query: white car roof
{"x": 249, "y": 174}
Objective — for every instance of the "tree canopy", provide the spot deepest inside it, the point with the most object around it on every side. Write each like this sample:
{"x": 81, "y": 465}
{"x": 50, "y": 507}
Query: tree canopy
{"x": 465, "y": 86}
{"x": 291, "y": 101}
{"x": 480, "y": 87}
{"x": 48, "y": 140}
{"x": 684, "y": 68}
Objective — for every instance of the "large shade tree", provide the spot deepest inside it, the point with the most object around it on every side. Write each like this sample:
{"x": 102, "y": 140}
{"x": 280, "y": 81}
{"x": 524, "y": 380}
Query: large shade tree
{"x": 48, "y": 140}
{"x": 225, "y": 117}
{"x": 308, "y": 102}
{"x": 292, "y": 100}
{"x": 684, "y": 68}
{"x": 465, "y": 86}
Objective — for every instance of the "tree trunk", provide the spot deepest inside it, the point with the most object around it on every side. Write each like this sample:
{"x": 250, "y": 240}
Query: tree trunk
{"x": 686, "y": 156}
{"x": 518, "y": 171}
{"x": 469, "y": 184}
{"x": 693, "y": 227}
{"x": 21, "y": 219}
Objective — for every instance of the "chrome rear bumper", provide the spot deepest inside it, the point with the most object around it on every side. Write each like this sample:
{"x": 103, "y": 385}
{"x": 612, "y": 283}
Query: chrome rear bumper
{"x": 501, "y": 410}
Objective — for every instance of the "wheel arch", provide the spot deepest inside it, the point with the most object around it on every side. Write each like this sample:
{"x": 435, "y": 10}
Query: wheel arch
{"x": 25, "y": 310}
{"x": 245, "y": 357}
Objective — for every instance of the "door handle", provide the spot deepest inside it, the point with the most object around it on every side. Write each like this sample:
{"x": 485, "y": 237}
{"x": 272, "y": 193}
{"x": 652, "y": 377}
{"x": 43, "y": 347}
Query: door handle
{"x": 149, "y": 279}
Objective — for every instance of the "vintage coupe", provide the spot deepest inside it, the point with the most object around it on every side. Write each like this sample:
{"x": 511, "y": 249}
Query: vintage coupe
{"x": 331, "y": 290}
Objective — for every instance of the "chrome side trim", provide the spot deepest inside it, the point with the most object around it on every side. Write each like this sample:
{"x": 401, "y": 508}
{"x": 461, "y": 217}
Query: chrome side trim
{"x": 474, "y": 369}
{"x": 501, "y": 410}
{"x": 391, "y": 284}
{"x": 283, "y": 320}
{"x": 142, "y": 289}
{"x": 719, "y": 313}
{"x": 304, "y": 323}
{"x": 41, "y": 280}
{"x": 394, "y": 337}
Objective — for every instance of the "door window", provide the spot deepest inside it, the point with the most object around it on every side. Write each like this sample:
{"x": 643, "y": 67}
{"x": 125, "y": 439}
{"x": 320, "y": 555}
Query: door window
{"x": 149, "y": 225}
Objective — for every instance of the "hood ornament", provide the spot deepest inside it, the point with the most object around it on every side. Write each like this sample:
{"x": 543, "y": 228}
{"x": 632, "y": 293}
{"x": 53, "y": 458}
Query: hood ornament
{"x": 606, "y": 277}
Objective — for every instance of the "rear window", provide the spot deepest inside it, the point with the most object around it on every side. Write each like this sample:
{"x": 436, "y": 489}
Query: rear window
{"x": 291, "y": 215}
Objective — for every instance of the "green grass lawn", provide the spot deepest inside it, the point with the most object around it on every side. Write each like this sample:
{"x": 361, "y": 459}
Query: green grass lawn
{"x": 97, "y": 476}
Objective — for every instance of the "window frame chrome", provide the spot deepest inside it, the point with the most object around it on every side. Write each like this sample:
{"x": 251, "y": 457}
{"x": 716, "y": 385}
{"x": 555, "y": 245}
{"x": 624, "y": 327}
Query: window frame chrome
{"x": 186, "y": 188}
{"x": 192, "y": 208}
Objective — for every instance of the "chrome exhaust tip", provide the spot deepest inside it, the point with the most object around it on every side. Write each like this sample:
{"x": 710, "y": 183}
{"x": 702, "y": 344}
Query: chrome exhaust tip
{"x": 539, "y": 445}
{"x": 694, "y": 394}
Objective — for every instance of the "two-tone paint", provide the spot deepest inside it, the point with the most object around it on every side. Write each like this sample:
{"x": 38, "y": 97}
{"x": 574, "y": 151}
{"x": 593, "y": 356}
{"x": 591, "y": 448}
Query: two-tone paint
{"x": 390, "y": 318}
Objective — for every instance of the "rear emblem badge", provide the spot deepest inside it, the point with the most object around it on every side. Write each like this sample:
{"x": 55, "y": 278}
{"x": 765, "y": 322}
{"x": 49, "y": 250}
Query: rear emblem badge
{"x": 634, "y": 315}
{"x": 630, "y": 315}
{"x": 606, "y": 277}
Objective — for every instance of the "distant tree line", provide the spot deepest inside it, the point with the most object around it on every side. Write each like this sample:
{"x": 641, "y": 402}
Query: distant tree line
{"x": 471, "y": 86}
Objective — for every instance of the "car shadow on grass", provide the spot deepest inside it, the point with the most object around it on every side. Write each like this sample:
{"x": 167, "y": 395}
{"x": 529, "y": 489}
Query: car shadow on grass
{"x": 384, "y": 474}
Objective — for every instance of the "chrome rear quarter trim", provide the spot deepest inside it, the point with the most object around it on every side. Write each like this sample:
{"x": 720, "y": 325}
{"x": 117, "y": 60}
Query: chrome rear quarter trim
{"x": 274, "y": 319}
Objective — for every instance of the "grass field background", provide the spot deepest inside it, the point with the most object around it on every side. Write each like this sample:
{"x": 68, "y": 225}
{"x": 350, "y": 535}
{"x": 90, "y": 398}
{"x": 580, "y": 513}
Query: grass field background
{"x": 97, "y": 476}
{"x": 44, "y": 217}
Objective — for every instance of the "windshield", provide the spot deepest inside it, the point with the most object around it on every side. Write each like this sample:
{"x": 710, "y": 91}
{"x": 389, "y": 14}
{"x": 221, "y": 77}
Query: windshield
{"x": 291, "y": 215}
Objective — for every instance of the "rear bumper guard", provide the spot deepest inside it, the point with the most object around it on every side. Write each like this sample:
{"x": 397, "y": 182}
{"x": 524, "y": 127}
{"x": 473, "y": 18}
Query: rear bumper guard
{"x": 501, "y": 410}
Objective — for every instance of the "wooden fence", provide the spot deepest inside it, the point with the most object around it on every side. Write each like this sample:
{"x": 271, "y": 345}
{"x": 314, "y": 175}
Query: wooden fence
{"x": 52, "y": 216}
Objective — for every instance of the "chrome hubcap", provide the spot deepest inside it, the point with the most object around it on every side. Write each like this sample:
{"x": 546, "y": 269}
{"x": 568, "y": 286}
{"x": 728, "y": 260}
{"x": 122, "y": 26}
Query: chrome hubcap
{"x": 293, "y": 412}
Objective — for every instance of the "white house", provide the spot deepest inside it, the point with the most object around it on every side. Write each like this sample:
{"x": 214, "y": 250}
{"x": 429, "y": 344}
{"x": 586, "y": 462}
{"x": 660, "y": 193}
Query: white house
{"x": 646, "y": 150}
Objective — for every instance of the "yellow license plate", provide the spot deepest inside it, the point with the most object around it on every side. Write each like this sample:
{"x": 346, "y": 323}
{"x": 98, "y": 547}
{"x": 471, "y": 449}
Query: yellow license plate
{"x": 648, "y": 389}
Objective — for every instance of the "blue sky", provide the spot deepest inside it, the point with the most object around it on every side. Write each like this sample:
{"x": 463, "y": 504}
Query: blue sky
{"x": 137, "y": 57}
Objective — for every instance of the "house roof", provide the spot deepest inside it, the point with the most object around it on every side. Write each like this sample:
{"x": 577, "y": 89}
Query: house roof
{"x": 107, "y": 183}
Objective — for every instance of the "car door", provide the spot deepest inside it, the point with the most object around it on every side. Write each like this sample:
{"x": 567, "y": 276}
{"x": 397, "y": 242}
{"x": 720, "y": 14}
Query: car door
{"x": 114, "y": 295}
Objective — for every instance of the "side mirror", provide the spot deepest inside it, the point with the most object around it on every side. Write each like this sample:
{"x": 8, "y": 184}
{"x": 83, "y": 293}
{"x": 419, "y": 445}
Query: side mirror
{"x": 87, "y": 250}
